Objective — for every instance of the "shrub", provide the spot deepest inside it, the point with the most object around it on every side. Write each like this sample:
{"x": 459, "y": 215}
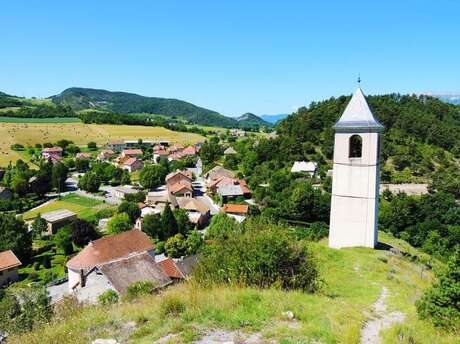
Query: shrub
{"x": 172, "y": 305}
{"x": 140, "y": 288}
{"x": 261, "y": 254}
{"x": 441, "y": 301}
{"x": 108, "y": 297}
{"x": 17, "y": 147}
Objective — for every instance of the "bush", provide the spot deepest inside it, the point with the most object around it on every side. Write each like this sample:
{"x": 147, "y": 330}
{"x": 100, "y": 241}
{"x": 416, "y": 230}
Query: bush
{"x": 261, "y": 254}
{"x": 172, "y": 305}
{"x": 140, "y": 288}
{"x": 17, "y": 147}
{"x": 108, "y": 297}
{"x": 441, "y": 301}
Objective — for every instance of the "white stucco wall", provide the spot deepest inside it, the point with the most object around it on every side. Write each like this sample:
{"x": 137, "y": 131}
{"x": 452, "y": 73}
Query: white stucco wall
{"x": 355, "y": 184}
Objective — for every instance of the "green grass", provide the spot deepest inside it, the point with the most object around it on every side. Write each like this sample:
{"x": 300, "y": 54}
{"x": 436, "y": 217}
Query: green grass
{"x": 352, "y": 282}
{"x": 85, "y": 207}
{"x": 39, "y": 120}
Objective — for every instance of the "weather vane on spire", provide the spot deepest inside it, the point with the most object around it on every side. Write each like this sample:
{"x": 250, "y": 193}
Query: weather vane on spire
{"x": 359, "y": 80}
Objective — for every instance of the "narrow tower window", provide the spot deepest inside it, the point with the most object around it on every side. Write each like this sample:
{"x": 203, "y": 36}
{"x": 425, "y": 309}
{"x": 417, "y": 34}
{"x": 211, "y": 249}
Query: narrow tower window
{"x": 356, "y": 146}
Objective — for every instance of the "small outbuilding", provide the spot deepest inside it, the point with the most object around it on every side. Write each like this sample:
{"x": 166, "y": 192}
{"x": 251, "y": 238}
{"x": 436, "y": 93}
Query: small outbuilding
{"x": 308, "y": 167}
{"x": 9, "y": 265}
{"x": 57, "y": 219}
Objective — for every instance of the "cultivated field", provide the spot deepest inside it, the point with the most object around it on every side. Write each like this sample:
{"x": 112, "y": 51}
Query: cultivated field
{"x": 31, "y": 133}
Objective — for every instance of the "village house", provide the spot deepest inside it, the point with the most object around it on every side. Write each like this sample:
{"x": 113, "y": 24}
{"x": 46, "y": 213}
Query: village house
{"x": 121, "y": 191}
{"x": 132, "y": 164}
{"x": 197, "y": 211}
{"x": 58, "y": 218}
{"x": 131, "y": 153}
{"x": 116, "y": 146}
{"x": 9, "y": 265}
{"x": 105, "y": 155}
{"x": 189, "y": 151}
{"x": 53, "y": 153}
{"x": 114, "y": 262}
{"x": 236, "y": 211}
{"x": 160, "y": 197}
{"x": 218, "y": 172}
{"x": 308, "y": 167}
{"x": 5, "y": 193}
{"x": 135, "y": 143}
{"x": 161, "y": 154}
{"x": 230, "y": 151}
{"x": 83, "y": 155}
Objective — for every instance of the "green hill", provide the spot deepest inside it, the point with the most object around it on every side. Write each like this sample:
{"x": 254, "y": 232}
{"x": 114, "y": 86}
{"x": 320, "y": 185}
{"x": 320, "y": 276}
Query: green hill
{"x": 249, "y": 120}
{"x": 420, "y": 137}
{"x": 126, "y": 103}
{"x": 353, "y": 280}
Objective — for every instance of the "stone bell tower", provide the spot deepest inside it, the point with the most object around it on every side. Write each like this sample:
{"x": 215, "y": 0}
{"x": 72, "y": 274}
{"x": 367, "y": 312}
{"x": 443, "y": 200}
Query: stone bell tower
{"x": 356, "y": 176}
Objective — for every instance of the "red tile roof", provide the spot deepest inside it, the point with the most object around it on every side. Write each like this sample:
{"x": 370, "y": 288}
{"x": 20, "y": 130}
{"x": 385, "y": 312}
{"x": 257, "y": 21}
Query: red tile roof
{"x": 8, "y": 260}
{"x": 170, "y": 269}
{"x": 190, "y": 150}
{"x": 52, "y": 150}
{"x": 236, "y": 208}
{"x": 109, "y": 248}
{"x": 130, "y": 161}
{"x": 132, "y": 152}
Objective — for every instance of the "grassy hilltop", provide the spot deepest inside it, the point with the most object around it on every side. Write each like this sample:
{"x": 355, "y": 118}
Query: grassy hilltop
{"x": 352, "y": 281}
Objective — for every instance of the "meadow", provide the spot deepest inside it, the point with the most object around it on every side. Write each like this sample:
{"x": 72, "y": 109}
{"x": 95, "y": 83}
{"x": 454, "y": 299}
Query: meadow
{"x": 352, "y": 282}
{"x": 84, "y": 207}
{"x": 29, "y": 134}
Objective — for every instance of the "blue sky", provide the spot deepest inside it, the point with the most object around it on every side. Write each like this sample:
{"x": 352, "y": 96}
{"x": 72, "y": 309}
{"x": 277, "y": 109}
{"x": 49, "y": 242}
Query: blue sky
{"x": 265, "y": 57}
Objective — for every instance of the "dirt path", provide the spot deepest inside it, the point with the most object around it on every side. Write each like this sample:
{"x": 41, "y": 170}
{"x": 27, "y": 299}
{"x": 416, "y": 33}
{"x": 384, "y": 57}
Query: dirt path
{"x": 380, "y": 320}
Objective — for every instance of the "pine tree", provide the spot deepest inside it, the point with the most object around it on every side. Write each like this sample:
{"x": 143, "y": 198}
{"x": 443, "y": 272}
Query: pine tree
{"x": 168, "y": 224}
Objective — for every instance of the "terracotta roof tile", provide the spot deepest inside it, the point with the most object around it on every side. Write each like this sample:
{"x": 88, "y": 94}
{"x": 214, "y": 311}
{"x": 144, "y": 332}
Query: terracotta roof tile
{"x": 170, "y": 269}
{"x": 110, "y": 248}
{"x": 236, "y": 208}
{"x": 8, "y": 260}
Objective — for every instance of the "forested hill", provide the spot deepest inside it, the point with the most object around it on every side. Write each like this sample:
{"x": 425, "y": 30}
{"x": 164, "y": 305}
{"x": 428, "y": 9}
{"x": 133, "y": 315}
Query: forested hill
{"x": 126, "y": 103}
{"x": 249, "y": 120}
{"x": 421, "y": 137}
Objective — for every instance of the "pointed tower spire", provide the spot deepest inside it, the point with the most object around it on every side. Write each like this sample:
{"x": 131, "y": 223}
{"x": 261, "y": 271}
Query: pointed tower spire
{"x": 358, "y": 115}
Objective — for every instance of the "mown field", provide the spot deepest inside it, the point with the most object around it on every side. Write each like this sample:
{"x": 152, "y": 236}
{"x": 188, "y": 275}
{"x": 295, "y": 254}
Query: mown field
{"x": 352, "y": 282}
{"x": 84, "y": 207}
{"x": 40, "y": 120}
{"x": 31, "y": 133}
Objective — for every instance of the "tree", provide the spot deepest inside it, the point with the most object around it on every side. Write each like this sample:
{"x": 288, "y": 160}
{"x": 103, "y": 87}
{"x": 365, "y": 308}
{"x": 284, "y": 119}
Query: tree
{"x": 82, "y": 165}
{"x": 119, "y": 223}
{"x": 25, "y": 309}
{"x": 441, "y": 301}
{"x": 20, "y": 183}
{"x": 182, "y": 220}
{"x": 152, "y": 176}
{"x": 14, "y": 236}
{"x": 90, "y": 182}
{"x": 130, "y": 208}
{"x": 92, "y": 145}
{"x": 39, "y": 227}
{"x": 176, "y": 246}
{"x": 168, "y": 223}
{"x": 59, "y": 175}
{"x": 194, "y": 242}
{"x": 261, "y": 255}
{"x": 82, "y": 232}
{"x": 221, "y": 227}
{"x": 152, "y": 225}
{"x": 63, "y": 240}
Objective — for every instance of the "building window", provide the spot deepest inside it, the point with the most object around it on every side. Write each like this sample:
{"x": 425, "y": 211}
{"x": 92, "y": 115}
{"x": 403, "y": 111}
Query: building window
{"x": 356, "y": 146}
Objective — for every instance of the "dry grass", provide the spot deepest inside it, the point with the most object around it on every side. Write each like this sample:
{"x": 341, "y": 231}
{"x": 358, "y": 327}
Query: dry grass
{"x": 28, "y": 134}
